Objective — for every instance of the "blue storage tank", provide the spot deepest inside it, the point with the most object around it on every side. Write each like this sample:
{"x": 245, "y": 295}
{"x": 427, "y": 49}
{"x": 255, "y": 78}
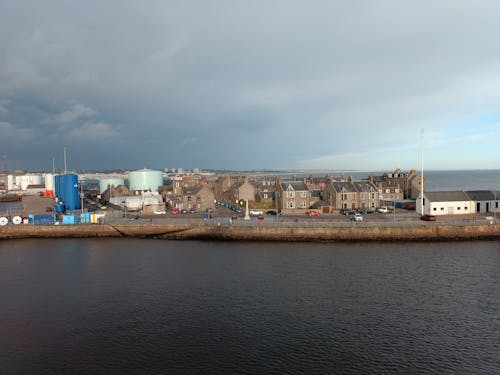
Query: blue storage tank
{"x": 71, "y": 197}
{"x": 57, "y": 192}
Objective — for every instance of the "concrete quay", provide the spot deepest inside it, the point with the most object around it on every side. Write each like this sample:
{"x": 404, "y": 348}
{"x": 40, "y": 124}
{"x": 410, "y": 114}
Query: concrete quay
{"x": 278, "y": 232}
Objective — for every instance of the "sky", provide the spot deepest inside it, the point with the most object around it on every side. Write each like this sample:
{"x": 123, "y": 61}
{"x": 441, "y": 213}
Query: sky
{"x": 245, "y": 85}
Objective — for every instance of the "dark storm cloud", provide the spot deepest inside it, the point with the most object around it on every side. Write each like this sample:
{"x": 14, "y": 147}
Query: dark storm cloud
{"x": 205, "y": 84}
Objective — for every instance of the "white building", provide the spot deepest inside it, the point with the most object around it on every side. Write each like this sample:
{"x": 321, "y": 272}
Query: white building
{"x": 446, "y": 203}
{"x": 139, "y": 202}
{"x": 484, "y": 200}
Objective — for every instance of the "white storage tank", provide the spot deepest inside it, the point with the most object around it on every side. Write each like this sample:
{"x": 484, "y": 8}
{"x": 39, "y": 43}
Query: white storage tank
{"x": 49, "y": 182}
{"x": 29, "y": 179}
{"x": 105, "y": 182}
{"x": 10, "y": 182}
{"x": 145, "y": 179}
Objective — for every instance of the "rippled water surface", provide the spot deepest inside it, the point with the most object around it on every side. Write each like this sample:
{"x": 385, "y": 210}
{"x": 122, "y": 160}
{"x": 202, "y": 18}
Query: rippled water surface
{"x": 145, "y": 306}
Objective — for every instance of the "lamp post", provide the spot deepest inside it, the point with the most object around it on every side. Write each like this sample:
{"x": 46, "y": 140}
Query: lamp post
{"x": 81, "y": 196}
{"x": 247, "y": 215}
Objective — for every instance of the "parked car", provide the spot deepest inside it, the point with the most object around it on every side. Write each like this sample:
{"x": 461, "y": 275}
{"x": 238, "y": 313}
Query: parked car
{"x": 192, "y": 211}
{"x": 271, "y": 212}
{"x": 255, "y": 212}
{"x": 357, "y": 217}
{"x": 312, "y": 213}
{"x": 428, "y": 217}
{"x": 367, "y": 212}
{"x": 382, "y": 210}
{"x": 175, "y": 211}
{"x": 349, "y": 212}
{"x": 159, "y": 212}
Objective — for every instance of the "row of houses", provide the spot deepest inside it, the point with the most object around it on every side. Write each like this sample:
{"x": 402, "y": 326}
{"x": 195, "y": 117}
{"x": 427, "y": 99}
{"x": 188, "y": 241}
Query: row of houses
{"x": 324, "y": 194}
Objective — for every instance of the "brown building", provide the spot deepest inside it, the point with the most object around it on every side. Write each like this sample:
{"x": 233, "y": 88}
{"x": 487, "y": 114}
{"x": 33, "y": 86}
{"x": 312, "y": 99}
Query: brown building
{"x": 198, "y": 197}
{"x": 352, "y": 195}
{"x": 293, "y": 196}
{"x": 407, "y": 182}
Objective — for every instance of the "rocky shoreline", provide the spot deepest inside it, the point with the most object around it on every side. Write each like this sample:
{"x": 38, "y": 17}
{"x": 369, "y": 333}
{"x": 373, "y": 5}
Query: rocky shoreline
{"x": 257, "y": 233}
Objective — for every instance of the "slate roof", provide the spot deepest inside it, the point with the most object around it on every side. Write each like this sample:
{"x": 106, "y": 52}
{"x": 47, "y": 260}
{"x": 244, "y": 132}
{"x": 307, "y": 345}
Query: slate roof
{"x": 339, "y": 185}
{"x": 447, "y": 196}
{"x": 193, "y": 190}
{"x": 481, "y": 195}
{"x": 296, "y": 185}
{"x": 365, "y": 186}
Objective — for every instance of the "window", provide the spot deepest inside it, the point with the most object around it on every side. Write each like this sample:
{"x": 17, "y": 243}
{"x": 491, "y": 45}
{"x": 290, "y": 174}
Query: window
{"x": 458, "y": 208}
{"x": 344, "y": 197}
{"x": 373, "y": 195}
{"x": 290, "y": 194}
{"x": 303, "y": 204}
{"x": 397, "y": 190}
{"x": 362, "y": 196}
{"x": 466, "y": 208}
{"x": 442, "y": 208}
{"x": 265, "y": 195}
{"x": 290, "y": 204}
{"x": 373, "y": 205}
{"x": 434, "y": 209}
{"x": 303, "y": 194}
{"x": 387, "y": 191}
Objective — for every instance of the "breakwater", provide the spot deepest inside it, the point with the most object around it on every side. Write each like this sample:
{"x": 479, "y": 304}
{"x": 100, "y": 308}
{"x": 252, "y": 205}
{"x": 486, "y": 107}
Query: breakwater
{"x": 282, "y": 232}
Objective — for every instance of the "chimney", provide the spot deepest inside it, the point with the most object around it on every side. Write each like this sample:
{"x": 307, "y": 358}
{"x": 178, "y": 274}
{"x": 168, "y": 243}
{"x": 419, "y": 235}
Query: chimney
{"x": 350, "y": 179}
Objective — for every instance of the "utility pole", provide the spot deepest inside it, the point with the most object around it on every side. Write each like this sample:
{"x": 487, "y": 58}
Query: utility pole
{"x": 4, "y": 158}
{"x": 422, "y": 172}
{"x": 65, "y": 167}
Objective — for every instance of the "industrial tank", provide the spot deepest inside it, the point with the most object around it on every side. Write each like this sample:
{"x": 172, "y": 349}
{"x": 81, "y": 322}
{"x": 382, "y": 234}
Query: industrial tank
{"x": 49, "y": 185}
{"x": 71, "y": 197}
{"x": 105, "y": 182}
{"x": 145, "y": 179}
{"x": 10, "y": 182}
{"x": 29, "y": 179}
{"x": 58, "y": 187}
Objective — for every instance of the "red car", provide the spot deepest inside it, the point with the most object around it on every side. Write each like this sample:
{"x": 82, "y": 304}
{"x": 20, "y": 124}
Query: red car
{"x": 428, "y": 218}
{"x": 312, "y": 213}
{"x": 174, "y": 211}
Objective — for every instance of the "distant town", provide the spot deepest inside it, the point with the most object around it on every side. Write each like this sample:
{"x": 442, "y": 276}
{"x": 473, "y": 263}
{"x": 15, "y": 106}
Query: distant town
{"x": 205, "y": 194}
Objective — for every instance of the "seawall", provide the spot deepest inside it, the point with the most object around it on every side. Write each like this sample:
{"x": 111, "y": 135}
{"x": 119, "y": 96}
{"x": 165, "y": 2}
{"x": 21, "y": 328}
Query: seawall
{"x": 257, "y": 232}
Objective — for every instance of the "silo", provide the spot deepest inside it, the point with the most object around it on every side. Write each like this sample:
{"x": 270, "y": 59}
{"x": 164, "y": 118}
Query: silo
{"x": 10, "y": 182}
{"x": 58, "y": 187}
{"x": 71, "y": 197}
{"x": 30, "y": 179}
{"x": 105, "y": 182}
{"x": 145, "y": 179}
{"x": 49, "y": 185}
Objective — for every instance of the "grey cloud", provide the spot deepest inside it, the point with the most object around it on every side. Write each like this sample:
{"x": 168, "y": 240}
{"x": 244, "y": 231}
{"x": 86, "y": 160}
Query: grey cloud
{"x": 307, "y": 82}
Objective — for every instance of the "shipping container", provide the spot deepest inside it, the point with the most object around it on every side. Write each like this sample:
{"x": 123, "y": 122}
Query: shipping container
{"x": 43, "y": 219}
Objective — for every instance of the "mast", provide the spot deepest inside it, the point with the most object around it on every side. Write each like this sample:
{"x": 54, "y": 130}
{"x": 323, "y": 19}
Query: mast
{"x": 65, "y": 169}
{"x": 422, "y": 172}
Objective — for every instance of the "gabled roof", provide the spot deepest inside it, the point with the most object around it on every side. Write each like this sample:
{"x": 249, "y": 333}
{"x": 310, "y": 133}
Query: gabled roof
{"x": 296, "y": 185}
{"x": 447, "y": 196}
{"x": 192, "y": 190}
{"x": 481, "y": 195}
{"x": 365, "y": 186}
{"x": 341, "y": 186}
